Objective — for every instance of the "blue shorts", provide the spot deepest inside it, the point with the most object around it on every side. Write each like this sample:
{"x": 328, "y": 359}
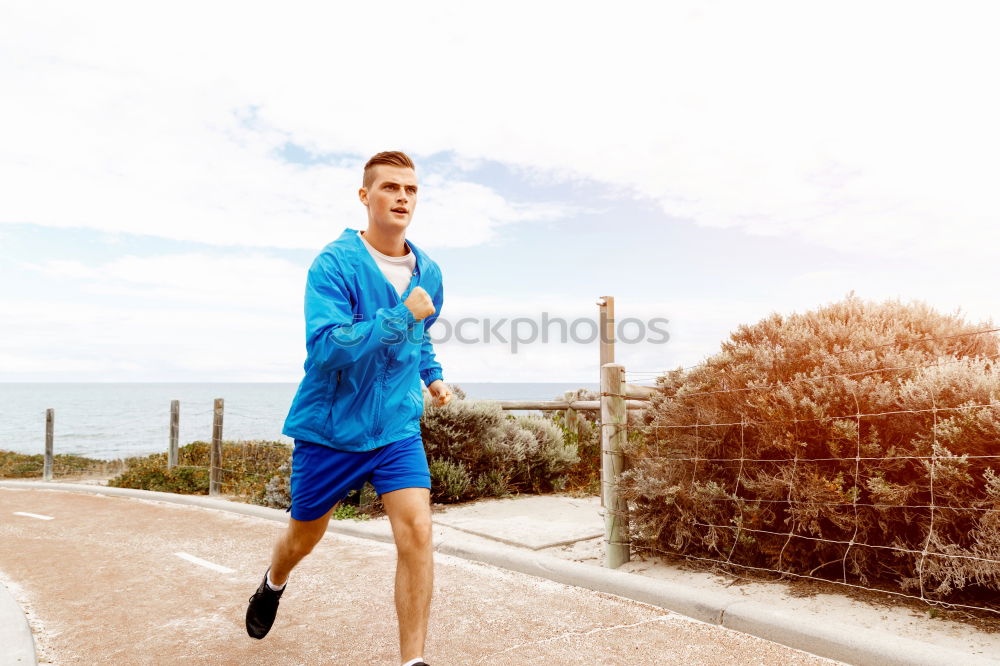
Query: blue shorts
{"x": 322, "y": 476}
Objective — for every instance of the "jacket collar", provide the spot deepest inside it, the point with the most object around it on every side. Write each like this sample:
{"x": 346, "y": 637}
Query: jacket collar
{"x": 353, "y": 238}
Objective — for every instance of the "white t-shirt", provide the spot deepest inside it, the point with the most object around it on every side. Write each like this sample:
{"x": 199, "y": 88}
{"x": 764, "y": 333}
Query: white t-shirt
{"x": 397, "y": 270}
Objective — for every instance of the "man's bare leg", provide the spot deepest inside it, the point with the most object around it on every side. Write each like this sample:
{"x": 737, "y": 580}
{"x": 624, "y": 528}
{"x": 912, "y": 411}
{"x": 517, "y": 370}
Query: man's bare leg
{"x": 295, "y": 543}
{"x": 409, "y": 511}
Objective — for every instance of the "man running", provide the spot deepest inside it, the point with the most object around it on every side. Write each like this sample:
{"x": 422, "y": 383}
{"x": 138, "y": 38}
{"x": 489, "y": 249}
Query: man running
{"x": 370, "y": 298}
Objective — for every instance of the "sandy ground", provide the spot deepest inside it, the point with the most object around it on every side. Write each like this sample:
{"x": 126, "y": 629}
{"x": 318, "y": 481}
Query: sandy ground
{"x": 529, "y": 521}
{"x": 102, "y": 584}
{"x": 875, "y": 611}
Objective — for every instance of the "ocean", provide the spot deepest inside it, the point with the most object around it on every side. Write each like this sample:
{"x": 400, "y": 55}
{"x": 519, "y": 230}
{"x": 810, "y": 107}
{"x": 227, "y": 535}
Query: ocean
{"x": 109, "y": 421}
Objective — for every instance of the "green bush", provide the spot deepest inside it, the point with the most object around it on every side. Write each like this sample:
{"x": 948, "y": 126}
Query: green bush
{"x": 278, "y": 489}
{"x": 549, "y": 456}
{"x": 346, "y": 511}
{"x": 478, "y": 451}
{"x": 22, "y": 465}
{"x": 247, "y": 467}
{"x": 450, "y": 481}
{"x": 150, "y": 473}
{"x": 585, "y": 475}
{"x": 830, "y": 425}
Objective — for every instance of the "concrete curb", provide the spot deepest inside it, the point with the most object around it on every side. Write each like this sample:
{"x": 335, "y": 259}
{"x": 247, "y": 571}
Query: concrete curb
{"x": 854, "y": 645}
{"x": 843, "y": 642}
{"x": 15, "y": 634}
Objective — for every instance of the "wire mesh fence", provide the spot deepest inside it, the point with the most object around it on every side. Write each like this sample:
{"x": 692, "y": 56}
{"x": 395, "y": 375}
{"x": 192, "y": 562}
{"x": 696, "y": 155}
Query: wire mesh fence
{"x": 885, "y": 479}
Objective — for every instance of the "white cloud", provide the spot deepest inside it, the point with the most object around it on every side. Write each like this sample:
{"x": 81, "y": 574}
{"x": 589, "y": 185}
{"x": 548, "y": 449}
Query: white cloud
{"x": 860, "y": 126}
{"x": 186, "y": 317}
{"x": 221, "y": 280}
{"x": 105, "y": 134}
{"x": 863, "y": 127}
{"x": 460, "y": 214}
{"x": 62, "y": 340}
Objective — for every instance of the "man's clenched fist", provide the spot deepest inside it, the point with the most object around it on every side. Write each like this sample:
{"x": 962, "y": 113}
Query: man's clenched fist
{"x": 419, "y": 303}
{"x": 440, "y": 393}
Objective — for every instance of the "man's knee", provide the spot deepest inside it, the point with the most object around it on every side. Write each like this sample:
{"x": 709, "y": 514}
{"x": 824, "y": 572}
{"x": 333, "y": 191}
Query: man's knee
{"x": 301, "y": 542}
{"x": 414, "y": 535}
{"x": 302, "y": 547}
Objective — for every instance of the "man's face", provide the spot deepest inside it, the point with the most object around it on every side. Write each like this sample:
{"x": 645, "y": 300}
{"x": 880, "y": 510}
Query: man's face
{"x": 391, "y": 197}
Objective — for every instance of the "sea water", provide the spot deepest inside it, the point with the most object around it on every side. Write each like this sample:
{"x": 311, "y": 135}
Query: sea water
{"x": 109, "y": 420}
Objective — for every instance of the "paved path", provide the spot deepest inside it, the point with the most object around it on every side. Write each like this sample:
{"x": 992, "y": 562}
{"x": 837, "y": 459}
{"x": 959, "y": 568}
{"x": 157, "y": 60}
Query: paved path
{"x": 104, "y": 585}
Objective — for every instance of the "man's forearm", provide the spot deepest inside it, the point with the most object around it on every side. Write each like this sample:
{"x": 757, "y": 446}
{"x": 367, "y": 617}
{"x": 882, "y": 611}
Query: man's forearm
{"x": 340, "y": 346}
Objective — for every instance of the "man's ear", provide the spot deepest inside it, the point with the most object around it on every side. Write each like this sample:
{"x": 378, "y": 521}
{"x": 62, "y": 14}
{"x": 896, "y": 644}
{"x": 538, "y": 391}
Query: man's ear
{"x": 363, "y": 195}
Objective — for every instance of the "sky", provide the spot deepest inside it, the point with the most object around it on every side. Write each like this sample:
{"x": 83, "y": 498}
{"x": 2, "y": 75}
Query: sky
{"x": 170, "y": 172}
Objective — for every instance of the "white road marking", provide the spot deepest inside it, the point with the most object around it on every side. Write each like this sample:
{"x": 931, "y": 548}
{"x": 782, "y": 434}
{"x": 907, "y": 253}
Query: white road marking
{"x": 34, "y": 515}
{"x": 205, "y": 563}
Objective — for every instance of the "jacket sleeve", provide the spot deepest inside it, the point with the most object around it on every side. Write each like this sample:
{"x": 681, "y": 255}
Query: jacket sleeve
{"x": 430, "y": 369}
{"x": 333, "y": 339}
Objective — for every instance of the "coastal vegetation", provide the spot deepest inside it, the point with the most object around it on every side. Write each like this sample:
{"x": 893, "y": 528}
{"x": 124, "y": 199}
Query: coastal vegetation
{"x": 22, "y": 465}
{"x": 859, "y": 442}
{"x": 475, "y": 450}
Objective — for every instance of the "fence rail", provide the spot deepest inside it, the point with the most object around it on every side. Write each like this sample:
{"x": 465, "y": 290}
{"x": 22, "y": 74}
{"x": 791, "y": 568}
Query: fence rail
{"x": 562, "y": 405}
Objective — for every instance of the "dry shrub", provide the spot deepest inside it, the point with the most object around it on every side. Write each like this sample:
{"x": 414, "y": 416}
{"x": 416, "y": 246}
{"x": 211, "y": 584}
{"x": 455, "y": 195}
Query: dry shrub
{"x": 585, "y": 476}
{"x": 475, "y": 450}
{"x": 27, "y": 465}
{"x": 838, "y": 428}
{"x": 246, "y": 466}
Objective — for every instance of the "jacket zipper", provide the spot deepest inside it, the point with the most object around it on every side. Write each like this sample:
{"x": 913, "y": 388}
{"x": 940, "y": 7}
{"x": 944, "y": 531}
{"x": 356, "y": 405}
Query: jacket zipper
{"x": 377, "y": 430}
{"x": 381, "y": 391}
{"x": 331, "y": 399}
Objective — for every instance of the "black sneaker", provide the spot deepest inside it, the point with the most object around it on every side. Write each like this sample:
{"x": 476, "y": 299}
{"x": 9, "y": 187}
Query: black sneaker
{"x": 262, "y": 609}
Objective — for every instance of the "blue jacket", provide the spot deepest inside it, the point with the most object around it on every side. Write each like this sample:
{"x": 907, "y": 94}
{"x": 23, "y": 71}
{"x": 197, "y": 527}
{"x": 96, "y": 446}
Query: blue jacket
{"x": 365, "y": 353}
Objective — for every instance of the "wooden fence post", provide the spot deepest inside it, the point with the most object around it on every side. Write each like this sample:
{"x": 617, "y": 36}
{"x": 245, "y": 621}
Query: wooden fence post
{"x": 175, "y": 427}
{"x": 606, "y": 326}
{"x": 215, "y": 473}
{"x": 50, "y": 421}
{"x": 606, "y": 342}
{"x": 614, "y": 433}
{"x": 570, "y": 416}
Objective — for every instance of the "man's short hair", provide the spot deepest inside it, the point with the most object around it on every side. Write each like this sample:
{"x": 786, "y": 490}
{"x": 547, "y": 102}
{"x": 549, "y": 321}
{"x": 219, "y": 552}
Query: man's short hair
{"x": 394, "y": 158}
